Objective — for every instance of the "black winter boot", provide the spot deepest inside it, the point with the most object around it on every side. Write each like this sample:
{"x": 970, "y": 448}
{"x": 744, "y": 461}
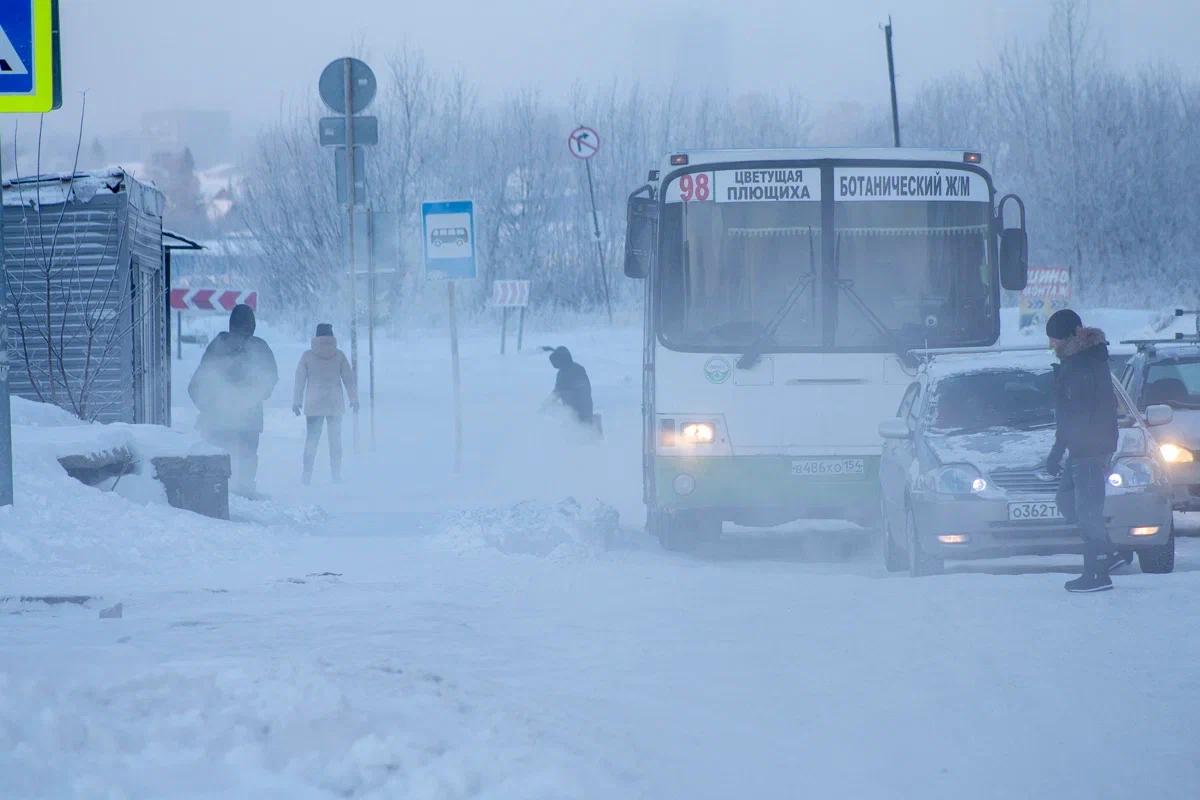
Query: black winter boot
{"x": 1090, "y": 582}
{"x": 1095, "y": 573}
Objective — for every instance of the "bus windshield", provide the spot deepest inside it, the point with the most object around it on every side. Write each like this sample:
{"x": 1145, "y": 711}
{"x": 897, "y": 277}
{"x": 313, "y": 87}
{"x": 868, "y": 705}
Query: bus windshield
{"x": 728, "y": 268}
{"x": 905, "y": 273}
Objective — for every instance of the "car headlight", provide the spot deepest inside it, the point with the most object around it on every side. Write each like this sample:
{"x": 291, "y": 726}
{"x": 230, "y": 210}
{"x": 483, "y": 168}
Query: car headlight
{"x": 697, "y": 433}
{"x": 957, "y": 479}
{"x": 1132, "y": 473}
{"x": 1174, "y": 454}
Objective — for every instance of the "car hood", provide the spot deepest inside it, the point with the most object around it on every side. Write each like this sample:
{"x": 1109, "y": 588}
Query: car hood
{"x": 1009, "y": 448}
{"x": 1184, "y": 429}
{"x": 998, "y": 448}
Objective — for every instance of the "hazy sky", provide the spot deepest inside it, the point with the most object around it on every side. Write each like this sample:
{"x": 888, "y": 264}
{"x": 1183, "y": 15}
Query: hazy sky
{"x": 247, "y": 56}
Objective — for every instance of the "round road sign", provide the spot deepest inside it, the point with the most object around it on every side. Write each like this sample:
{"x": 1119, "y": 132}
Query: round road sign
{"x": 333, "y": 85}
{"x": 583, "y": 142}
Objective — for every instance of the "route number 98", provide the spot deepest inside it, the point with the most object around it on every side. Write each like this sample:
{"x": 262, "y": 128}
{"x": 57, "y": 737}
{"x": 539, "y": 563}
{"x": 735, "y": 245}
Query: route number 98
{"x": 695, "y": 187}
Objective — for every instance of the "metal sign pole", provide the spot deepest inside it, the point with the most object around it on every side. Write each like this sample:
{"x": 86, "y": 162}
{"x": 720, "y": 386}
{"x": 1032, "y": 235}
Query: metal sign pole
{"x": 457, "y": 384}
{"x": 521, "y": 329}
{"x": 371, "y": 319}
{"x": 503, "y": 329}
{"x": 6, "y": 472}
{"x": 599, "y": 247}
{"x": 351, "y": 178}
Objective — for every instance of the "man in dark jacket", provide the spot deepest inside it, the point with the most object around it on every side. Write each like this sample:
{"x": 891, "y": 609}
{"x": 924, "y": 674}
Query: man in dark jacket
{"x": 1086, "y": 416}
{"x": 572, "y": 387}
{"x": 235, "y": 376}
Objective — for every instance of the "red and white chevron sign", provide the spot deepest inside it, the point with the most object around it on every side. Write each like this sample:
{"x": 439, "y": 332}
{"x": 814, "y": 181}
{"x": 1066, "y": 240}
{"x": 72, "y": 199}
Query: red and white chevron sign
{"x": 510, "y": 294}
{"x": 211, "y": 299}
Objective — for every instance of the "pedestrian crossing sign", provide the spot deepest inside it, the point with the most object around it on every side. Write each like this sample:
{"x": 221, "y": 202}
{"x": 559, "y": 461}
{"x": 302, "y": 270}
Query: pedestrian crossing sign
{"x": 30, "y": 71}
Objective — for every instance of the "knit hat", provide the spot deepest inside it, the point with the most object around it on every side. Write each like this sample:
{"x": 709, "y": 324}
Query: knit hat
{"x": 324, "y": 329}
{"x": 1063, "y": 324}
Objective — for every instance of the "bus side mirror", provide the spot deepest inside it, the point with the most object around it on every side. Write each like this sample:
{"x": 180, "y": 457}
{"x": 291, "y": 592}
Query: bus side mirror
{"x": 641, "y": 233}
{"x": 1014, "y": 247}
{"x": 1014, "y": 259}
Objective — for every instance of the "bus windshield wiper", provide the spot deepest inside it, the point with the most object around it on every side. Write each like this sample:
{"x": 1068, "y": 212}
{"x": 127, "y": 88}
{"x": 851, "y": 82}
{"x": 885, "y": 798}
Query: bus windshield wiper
{"x": 901, "y": 350}
{"x": 754, "y": 351}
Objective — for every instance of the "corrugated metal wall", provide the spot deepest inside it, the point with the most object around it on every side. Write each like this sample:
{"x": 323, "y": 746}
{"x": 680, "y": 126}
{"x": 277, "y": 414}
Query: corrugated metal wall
{"x": 88, "y": 275}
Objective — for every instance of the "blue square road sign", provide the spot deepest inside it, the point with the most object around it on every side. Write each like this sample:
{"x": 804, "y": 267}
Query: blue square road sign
{"x": 30, "y": 71}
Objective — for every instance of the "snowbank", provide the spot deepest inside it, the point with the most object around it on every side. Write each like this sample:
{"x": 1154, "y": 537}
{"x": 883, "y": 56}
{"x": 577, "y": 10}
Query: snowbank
{"x": 264, "y": 730}
{"x": 563, "y": 531}
{"x": 59, "y": 524}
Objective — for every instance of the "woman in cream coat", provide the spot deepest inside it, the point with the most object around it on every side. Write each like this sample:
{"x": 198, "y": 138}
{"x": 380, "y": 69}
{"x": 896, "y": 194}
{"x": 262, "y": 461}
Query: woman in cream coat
{"x": 320, "y": 377}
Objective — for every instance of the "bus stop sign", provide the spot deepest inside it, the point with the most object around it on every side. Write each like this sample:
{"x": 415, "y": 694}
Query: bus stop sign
{"x": 30, "y": 70}
{"x": 449, "y": 233}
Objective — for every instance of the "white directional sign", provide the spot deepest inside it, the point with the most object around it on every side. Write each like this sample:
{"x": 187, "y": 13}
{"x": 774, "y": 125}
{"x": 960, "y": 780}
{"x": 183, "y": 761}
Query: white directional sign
{"x": 510, "y": 294}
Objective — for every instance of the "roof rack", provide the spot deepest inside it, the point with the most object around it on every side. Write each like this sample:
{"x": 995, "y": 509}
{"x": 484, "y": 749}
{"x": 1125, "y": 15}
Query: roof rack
{"x": 1179, "y": 338}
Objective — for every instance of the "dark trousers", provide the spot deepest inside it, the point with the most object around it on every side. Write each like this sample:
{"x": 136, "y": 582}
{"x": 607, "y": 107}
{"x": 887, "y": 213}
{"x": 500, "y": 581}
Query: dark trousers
{"x": 1081, "y": 500}
{"x": 242, "y": 447}
{"x": 335, "y": 444}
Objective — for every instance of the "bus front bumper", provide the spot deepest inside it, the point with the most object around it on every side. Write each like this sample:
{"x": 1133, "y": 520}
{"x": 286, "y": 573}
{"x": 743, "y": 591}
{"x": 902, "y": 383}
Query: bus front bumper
{"x": 764, "y": 490}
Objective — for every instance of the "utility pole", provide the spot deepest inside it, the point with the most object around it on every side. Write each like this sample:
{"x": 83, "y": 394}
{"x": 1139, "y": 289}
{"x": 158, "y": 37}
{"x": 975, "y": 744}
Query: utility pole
{"x": 887, "y": 35}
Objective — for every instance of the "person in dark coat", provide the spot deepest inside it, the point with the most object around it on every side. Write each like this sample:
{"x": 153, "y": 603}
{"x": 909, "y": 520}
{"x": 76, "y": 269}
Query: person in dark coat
{"x": 236, "y": 375}
{"x": 1086, "y": 417}
{"x": 572, "y": 387}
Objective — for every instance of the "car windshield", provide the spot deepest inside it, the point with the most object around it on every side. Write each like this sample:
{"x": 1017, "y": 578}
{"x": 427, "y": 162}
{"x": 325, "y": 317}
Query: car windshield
{"x": 1002, "y": 398}
{"x": 1173, "y": 382}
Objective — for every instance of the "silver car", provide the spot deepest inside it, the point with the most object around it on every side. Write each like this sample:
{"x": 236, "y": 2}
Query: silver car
{"x": 962, "y": 473}
{"x": 1168, "y": 373}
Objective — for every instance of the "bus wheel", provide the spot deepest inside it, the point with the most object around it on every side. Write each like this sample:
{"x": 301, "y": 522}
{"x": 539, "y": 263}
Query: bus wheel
{"x": 683, "y": 532}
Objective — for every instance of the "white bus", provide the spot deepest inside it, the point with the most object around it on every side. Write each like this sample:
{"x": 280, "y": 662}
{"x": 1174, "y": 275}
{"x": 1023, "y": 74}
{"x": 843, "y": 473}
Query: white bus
{"x": 784, "y": 291}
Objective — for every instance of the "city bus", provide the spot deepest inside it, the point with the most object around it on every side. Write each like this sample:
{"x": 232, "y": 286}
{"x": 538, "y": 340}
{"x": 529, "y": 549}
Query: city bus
{"x": 785, "y": 291}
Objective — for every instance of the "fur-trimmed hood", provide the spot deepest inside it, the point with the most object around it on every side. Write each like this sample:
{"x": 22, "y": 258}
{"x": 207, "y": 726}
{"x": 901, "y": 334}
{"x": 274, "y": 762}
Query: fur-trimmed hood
{"x": 1085, "y": 339}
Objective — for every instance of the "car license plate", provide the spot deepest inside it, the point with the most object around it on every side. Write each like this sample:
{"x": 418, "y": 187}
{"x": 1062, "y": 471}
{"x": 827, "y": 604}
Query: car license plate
{"x": 829, "y": 467}
{"x": 1023, "y": 512}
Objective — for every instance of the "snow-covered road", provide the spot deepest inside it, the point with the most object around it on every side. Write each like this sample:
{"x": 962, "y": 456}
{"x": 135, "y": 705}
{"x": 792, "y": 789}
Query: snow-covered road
{"x": 432, "y": 636}
{"x": 421, "y": 671}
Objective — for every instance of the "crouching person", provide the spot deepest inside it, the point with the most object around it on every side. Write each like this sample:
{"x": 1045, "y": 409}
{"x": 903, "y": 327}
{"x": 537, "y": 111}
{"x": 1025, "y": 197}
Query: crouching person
{"x": 323, "y": 373}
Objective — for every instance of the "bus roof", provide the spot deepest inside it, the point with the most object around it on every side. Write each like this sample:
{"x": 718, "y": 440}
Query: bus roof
{"x": 850, "y": 153}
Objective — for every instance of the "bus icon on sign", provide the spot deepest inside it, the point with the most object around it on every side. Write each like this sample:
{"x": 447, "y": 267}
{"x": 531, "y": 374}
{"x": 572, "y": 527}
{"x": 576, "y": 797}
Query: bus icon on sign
{"x": 444, "y": 236}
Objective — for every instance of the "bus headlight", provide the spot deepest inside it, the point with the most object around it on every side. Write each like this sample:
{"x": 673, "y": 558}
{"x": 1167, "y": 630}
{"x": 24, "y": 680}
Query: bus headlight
{"x": 1174, "y": 454}
{"x": 697, "y": 433}
{"x": 1132, "y": 473}
{"x": 958, "y": 479}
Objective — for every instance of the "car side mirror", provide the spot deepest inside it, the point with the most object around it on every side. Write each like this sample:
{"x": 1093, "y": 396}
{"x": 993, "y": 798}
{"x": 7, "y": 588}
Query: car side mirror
{"x": 895, "y": 429}
{"x": 641, "y": 233}
{"x": 1014, "y": 248}
{"x": 1159, "y": 415}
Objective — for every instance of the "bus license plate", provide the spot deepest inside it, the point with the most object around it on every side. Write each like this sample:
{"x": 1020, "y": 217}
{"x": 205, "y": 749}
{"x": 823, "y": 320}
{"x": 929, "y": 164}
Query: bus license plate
{"x": 1023, "y": 512}
{"x": 829, "y": 467}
